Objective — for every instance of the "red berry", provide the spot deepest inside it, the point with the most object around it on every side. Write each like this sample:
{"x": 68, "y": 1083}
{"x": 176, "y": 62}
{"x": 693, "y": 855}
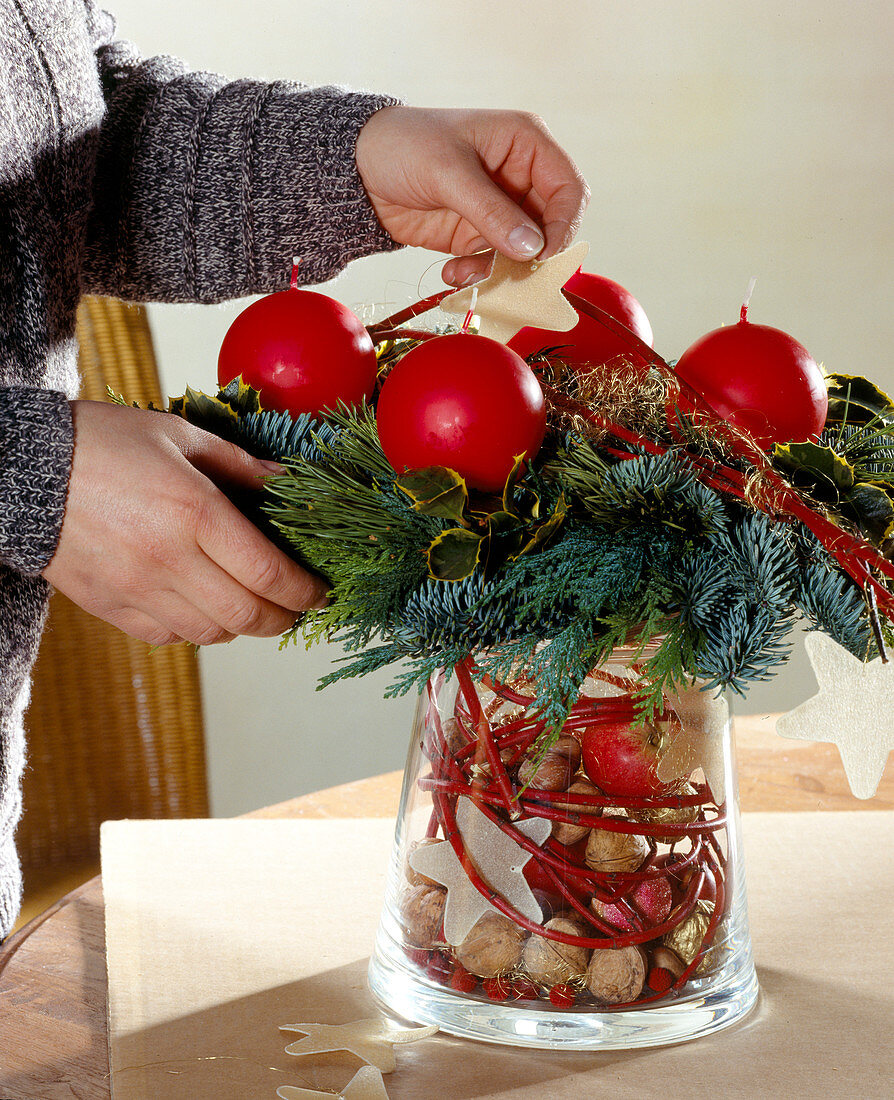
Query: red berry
{"x": 590, "y": 341}
{"x": 523, "y": 989}
{"x": 417, "y": 956}
{"x": 760, "y": 379}
{"x": 497, "y": 989}
{"x": 304, "y": 351}
{"x": 462, "y": 980}
{"x": 439, "y": 967}
{"x": 464, "y": 402}
{"x": 660, "y": 979}
{"x": 562, "y": 996}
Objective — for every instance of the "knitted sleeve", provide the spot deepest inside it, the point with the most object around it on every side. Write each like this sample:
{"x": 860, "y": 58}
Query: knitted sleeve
{"x": 36, "y": 439}
{"x": 205, "y": 189}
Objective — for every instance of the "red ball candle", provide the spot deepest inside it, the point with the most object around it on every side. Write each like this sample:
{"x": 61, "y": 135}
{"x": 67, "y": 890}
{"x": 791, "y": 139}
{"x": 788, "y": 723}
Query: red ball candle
{"x": 465, "y": 402}
{"x": 760, "y": 379}
{"x": 302, "y": 350}
{"x": 590, "y": 341}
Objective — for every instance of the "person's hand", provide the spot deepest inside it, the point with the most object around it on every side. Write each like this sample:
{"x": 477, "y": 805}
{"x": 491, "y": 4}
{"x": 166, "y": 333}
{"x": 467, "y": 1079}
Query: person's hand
{"x": 152, "y": 545}
{"x": 463, "y": 181}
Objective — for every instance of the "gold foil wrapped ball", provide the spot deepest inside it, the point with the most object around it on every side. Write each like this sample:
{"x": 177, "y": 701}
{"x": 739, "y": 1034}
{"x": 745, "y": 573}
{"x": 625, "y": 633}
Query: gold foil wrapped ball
{"x": 689, "y": 935}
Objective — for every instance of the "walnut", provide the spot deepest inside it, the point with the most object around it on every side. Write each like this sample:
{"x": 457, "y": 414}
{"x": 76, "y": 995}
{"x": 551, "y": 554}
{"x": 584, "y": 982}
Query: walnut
{"x": 422, "y": 913}
{"x": 563, "y": 831}
{"x": 494, "y": 946}
{"x": 551, "y": 962}
{"x": 610, "y": 851}
{"x": 616, "y": 975}
{"x": 556, "y": 769}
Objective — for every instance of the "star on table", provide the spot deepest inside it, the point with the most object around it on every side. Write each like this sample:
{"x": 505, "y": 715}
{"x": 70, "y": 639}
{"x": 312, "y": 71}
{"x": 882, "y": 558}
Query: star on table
{"x": 697, "y": 740}
{"x": 518, "y": 293}
{"x": 366, "y": 1084}
{"x": 499, "y": 859}
{"x": 854, "y": 710}
{"x": 372, "y": 1040}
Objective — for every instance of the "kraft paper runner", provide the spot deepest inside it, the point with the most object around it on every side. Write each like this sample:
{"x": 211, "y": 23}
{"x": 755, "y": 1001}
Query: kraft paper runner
{"x": 220, "y": 931}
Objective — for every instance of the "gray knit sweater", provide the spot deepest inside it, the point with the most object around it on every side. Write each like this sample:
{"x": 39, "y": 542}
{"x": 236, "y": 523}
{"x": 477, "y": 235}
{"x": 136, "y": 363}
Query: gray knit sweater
{"x": 140, "y": 179}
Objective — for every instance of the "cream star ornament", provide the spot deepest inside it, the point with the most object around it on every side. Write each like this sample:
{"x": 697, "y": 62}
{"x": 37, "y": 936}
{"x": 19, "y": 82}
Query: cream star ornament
{"x": 372, "y": 1040}
{"x": 366, "y": 1084}
{"x": 499, "y": 860}
{"x": 854, "y": 710}
{"x": 518, "y": 293}
{"x": 697, "y": 741}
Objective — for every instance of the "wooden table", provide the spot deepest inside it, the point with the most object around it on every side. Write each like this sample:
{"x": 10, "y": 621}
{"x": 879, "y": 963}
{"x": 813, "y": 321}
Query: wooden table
{"x": 53, "y": 1043}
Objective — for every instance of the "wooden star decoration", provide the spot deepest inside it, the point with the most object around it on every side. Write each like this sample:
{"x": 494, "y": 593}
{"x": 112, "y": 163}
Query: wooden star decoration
{"x": 366, "y": 1084}
{"x": 854, "y": 709}
{"x": 498, "y": 858}
{"x": 697, "y": 740}
{"x": 518, "y": 293}
{"x": 372, "y": 1040}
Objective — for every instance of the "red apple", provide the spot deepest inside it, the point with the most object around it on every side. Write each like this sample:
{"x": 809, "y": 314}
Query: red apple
{"x": 622, "y": 759}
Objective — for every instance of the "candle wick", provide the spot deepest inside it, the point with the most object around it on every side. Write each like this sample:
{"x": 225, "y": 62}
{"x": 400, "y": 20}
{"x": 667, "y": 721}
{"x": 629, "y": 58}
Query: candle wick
{"x": 471, "y": 313}
{"x": 296, "y": 260}
{"x": 743, "y": 312}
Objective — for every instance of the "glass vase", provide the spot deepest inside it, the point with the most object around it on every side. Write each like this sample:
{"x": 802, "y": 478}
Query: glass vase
{"x": 591, "y": 896}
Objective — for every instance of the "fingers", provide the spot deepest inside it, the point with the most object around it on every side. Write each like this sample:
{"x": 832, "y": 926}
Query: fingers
{"x": 501, "y": 223}
{"x": 242, "y": 552}
{"x": 224, "y": 463}
{"x": 468, "y": 269}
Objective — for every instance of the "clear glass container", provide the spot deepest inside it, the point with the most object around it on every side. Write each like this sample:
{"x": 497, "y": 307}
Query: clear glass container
{"x": 589, "y": 898}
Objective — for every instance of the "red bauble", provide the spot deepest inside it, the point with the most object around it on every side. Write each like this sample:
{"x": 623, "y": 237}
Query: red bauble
{"x": 465, "y": 402}
{"x": 760, "y": 379}
{"x": 622, "y": 760}
{"x": 589, "y": 341}
{"x": 304, "y": 351}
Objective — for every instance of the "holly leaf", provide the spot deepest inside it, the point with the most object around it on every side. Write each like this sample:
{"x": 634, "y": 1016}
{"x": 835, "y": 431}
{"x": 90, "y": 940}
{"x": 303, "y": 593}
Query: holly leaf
{"x": 856, "y": 400}
{"x": 518, "y": 499}
{"x": 241, "y": 396}
{"x": 505, "y": 535}
{"x": 819, "y": 463}
{"x": 205, "y": 411}
{"x": 436, "y": 491}
{"x": 453, "y": 555}
{"x": 874, "y": 509}
{"x": 547, "y": 529}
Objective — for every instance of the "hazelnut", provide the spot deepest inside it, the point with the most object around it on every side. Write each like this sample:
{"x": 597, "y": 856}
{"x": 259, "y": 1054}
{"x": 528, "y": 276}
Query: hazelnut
{"x": 551, "y": 962}
{"x": 616, "y": 975}
{"x": 422, "y": 914}
{"x": 610, "y": 851}
{"x": 665, "y": 959}
{"x": 494, "y": 946}
{"x": 555, "y": 771}
{"x": 563, "y": 831}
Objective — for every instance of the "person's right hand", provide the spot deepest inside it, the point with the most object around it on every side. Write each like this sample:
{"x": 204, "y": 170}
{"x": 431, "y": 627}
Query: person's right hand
{"x": 151, "y": 544}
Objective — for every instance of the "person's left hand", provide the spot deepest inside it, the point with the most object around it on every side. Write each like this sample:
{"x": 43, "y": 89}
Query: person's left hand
{"x": 464, "y": 181}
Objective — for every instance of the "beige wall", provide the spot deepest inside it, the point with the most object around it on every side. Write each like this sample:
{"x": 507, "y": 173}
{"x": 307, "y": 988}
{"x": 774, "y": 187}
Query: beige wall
{"x": 721, "y": 141}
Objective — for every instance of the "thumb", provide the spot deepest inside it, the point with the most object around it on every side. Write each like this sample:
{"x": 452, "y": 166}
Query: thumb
{"x": 502, "y": 224}
{"x": 225, "y": 463}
